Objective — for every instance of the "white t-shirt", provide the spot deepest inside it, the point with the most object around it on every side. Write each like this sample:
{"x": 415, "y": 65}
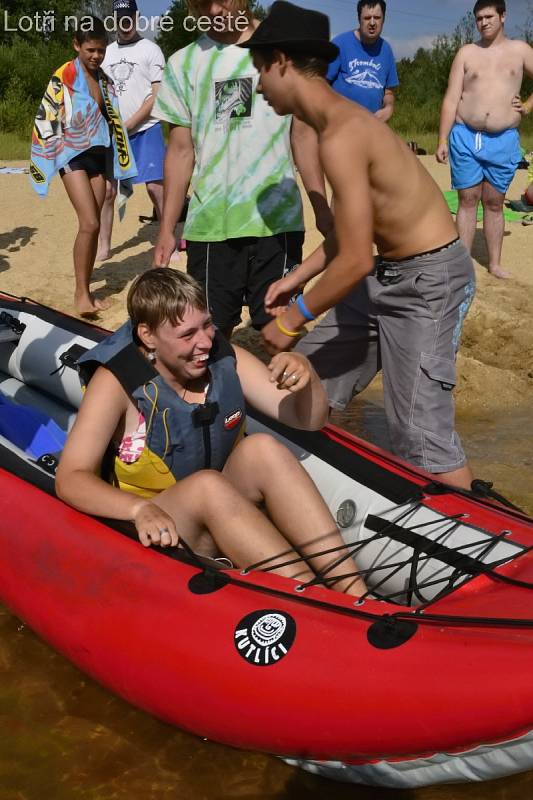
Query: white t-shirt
{"x": 133, "y": 68}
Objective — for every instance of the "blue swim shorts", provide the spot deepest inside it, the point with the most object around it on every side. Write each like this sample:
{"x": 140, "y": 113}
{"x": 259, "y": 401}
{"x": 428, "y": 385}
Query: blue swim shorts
{"x": 149, "y": 151}
{"x": 476, "y": 156}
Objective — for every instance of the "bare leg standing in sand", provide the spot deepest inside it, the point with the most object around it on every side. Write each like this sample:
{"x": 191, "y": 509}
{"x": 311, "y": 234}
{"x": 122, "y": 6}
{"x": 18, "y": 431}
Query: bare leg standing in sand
{"x": 86, "y": 193}
{"x": 480, "y": 115}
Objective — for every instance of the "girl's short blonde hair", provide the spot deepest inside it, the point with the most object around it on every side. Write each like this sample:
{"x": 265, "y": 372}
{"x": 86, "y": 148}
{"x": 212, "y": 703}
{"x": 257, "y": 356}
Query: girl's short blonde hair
{"x": 163, "y": 295}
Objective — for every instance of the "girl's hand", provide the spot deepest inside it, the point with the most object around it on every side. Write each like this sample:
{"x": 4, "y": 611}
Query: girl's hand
{"x": 291, "y": 371}
{"x": 154, "y": 526}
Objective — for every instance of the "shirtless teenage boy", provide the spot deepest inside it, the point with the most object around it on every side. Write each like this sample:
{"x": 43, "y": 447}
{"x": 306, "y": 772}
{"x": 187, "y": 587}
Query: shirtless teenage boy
{"x": 406, "y": 317}
{"x": 480, "y": 115}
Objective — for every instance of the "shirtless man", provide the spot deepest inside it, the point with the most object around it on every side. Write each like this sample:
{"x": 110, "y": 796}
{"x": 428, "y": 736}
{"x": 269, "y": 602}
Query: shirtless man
{"x": 480, "y": 115}
{"x": 404, "y": 317}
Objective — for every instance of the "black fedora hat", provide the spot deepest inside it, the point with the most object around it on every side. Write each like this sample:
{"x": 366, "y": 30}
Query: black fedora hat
{"x": 289, "y": 27}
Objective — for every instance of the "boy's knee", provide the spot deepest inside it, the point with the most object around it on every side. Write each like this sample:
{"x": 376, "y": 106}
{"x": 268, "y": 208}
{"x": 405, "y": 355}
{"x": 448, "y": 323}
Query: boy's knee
{"x": 494, "y": 204}
{"x": 470, "y": 199}
{"x": 90, "y": 226}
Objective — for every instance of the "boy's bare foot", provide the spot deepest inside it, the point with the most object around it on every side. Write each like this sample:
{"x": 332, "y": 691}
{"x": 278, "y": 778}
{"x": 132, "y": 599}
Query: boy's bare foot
{"x": 89, "y": 306}
{"x": 498, "y": 272}
{"x": 104, "y": 255}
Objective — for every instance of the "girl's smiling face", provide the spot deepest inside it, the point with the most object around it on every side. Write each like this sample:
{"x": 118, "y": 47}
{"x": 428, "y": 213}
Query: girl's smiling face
{"x": 182, "y": 347}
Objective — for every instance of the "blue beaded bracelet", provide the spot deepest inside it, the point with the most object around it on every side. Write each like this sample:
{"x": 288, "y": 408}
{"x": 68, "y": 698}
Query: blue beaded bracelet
{"x": 300, "y": 302}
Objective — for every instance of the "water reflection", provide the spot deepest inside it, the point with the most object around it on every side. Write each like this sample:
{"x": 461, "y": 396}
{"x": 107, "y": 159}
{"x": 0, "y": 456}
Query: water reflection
{"x": 65, "y": 737}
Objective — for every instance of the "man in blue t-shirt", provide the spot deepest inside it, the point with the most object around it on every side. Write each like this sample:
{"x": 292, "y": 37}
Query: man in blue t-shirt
{"x": 365, "y": 70}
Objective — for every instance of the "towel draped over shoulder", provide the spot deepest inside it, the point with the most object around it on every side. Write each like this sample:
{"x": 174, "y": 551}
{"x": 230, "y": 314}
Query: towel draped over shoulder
{"x": 69, "y": 121}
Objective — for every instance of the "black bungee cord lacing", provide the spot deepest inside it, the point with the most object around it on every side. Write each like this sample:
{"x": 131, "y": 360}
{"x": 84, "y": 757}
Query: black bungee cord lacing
{"x": 465, "y": 567}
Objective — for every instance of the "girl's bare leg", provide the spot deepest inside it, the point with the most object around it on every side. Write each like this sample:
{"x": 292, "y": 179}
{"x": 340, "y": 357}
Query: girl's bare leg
{"x": 264, "y": 470}
{"x": 213, "y": 517}
{"x": 87, "y": 196}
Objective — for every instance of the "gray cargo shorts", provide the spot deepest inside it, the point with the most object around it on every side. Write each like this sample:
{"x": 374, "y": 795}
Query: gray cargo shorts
{"x": 405, "y": 319}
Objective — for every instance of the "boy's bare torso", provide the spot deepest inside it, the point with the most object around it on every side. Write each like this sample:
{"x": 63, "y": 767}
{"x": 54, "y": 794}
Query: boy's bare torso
{"x": 492, "y": 78}
{"x": 410, "y": 214}
{"x": 95, "y": 90}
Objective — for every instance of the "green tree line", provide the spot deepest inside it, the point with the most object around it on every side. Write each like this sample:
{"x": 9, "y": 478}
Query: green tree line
{"x": 27, "y": 60}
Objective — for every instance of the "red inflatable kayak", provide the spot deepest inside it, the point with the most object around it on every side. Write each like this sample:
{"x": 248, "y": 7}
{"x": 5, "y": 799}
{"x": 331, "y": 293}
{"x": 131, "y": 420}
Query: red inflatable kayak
{"x": 426, "y": 680}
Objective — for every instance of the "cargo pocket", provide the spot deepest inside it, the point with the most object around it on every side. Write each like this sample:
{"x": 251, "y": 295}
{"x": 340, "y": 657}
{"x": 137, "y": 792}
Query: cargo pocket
{"x": 433, "y": 409}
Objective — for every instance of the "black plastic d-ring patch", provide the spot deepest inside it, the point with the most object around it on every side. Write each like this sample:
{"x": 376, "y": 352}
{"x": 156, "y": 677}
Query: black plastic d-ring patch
{"x": 387, "y": 633}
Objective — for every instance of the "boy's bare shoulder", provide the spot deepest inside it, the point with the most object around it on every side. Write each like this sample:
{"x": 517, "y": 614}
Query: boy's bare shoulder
{"x": 349, "y": 120}
{"x": 347, "y": 145}
{"x": 468, "y": 50}
{"x": 519, "y": 46}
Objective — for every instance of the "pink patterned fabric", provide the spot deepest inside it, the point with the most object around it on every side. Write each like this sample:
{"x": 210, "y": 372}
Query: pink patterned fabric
{"x": 132, "y": 445}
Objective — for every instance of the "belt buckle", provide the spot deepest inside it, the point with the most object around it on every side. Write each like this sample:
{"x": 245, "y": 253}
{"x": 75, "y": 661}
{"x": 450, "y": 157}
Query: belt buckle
{"x": 387, "y": 274}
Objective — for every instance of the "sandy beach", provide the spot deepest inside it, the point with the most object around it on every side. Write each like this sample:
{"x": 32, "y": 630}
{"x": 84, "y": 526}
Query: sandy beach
{"x": 495, "y": 365}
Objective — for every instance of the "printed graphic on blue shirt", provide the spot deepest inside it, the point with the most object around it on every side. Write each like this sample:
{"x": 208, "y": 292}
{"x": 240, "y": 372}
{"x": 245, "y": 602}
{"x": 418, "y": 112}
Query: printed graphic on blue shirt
{"x": 365, "y": 74}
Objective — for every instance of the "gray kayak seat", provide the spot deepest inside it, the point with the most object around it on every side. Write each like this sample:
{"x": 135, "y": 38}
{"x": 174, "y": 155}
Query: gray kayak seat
{"x": 31, "y": 370}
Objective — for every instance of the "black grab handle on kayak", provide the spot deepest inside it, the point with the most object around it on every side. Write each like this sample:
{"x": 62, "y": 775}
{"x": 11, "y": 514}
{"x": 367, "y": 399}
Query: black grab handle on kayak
{"x": 484, "y": 489}
{"x": 481, "y": 490}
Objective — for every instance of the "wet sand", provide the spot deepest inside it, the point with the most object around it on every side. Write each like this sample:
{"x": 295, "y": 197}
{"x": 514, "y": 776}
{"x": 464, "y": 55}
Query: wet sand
{"x": 65, "y": 737}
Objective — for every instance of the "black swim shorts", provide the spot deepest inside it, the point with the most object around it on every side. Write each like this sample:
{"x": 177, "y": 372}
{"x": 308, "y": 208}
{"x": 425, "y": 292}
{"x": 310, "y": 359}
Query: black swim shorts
{"x": 238, "y": 272}
{"x": 94, "y": 161}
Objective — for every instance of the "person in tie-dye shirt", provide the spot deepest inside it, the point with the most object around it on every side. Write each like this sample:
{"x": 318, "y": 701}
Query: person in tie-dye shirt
{"x": 244, "y": 226}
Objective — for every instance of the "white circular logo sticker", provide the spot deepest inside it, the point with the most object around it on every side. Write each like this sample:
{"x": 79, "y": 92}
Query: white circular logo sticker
{"x": 265, "y": 637}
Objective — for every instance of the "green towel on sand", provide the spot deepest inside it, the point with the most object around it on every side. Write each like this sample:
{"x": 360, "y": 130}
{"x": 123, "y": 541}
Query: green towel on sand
{"x": 508, "y": 213}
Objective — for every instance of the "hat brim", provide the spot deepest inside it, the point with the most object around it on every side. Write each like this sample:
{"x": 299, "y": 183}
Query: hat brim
{"x": 312, "y": 47}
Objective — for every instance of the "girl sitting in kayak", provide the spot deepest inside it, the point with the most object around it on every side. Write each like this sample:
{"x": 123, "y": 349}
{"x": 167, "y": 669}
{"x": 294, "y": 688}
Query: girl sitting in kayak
{"x": 162, "y": 421}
